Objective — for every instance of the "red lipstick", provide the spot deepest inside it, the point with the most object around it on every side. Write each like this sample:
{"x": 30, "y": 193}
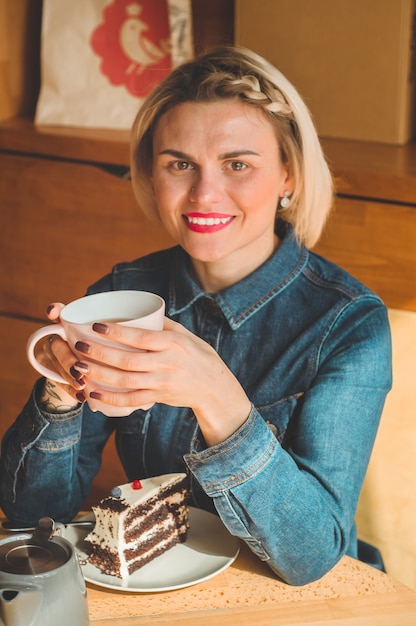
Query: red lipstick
{"x": 207, "y": 222}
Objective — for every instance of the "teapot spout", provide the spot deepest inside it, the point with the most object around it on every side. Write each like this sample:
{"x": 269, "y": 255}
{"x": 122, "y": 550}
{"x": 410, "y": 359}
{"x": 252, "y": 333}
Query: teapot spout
{"x": 19, "y": 606}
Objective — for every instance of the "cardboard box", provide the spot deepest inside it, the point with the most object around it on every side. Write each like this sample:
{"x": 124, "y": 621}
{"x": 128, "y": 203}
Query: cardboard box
{"x": 353, "y": 61}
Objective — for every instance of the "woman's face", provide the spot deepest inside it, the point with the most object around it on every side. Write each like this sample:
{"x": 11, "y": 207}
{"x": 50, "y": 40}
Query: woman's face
{"x": 217, "y": 177}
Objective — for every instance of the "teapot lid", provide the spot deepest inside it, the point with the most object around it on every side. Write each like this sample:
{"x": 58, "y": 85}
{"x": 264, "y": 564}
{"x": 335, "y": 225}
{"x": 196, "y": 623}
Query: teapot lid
{"x": 34, "y": 555}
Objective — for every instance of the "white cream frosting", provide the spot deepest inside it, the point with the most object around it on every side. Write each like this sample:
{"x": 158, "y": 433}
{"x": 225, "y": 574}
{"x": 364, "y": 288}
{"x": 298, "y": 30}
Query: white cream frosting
{"x": 149, "y": 487}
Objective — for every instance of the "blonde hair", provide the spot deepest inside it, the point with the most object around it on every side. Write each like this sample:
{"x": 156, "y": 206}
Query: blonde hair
{"x": 229, "y": 73}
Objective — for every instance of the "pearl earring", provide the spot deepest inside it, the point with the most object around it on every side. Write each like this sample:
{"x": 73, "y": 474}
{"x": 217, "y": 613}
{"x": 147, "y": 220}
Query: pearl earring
{"x": 285, "y": 201}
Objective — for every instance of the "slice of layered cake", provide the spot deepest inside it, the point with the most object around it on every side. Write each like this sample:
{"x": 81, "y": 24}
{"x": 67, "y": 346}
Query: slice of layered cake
{"x": 138, "y": 522}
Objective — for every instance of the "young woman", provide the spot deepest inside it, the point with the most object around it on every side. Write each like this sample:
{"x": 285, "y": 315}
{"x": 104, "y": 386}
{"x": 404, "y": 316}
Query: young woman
{"x": 269, "y": 377}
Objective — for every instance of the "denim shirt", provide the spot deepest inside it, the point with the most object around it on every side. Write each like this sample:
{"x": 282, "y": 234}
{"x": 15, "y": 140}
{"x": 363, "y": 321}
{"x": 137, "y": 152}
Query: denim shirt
{"x": 311, "y": 347}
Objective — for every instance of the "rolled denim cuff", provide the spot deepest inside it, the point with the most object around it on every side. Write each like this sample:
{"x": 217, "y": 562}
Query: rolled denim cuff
{"x": 61, "y": 427}
{"x": 34, "y": 430}
{"x": 235, "y": 460}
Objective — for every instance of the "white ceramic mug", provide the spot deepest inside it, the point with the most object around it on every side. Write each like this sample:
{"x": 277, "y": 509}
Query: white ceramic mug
{"x": 139, "y": 309}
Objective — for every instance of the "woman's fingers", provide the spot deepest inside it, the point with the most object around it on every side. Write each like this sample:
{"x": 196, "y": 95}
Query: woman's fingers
{"x": 137, "y": 397}
{"x": 162, "y": 361}
{"x": 54, "y": 311}
{"x": 55, "y": 354}
{"x": 140, "y": 338}
{"x": 121, "y": 368}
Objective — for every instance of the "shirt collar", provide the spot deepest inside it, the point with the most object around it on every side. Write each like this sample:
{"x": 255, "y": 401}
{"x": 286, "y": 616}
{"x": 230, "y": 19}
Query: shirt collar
{"x": 240, "y": 301}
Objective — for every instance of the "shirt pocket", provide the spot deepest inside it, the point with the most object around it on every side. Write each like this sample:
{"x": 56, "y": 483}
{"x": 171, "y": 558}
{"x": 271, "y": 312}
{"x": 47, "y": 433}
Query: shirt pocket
{"x": 279, "y": 414}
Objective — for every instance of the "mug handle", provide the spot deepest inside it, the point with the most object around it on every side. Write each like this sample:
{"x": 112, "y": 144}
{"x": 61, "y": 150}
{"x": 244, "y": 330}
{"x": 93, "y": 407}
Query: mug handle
{"x": 53, "y": 329}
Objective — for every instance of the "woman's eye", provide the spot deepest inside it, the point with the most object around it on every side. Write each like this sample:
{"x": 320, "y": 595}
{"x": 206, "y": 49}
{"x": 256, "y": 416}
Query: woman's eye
{"x": 181, "y": 165}
{"x": 237, "y": 166}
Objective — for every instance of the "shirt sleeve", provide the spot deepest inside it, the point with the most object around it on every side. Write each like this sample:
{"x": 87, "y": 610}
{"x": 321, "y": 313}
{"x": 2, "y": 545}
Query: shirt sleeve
{"x": 294, "y": 502}
{"x": 48, "y": 461}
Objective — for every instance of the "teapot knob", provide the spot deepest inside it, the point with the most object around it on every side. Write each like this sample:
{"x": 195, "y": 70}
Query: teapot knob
{"x": 44, "y": 530}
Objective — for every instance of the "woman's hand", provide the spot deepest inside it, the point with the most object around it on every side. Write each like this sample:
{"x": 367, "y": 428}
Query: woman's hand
{"x": 172, "y": 366}
{"x": 55, "y": 353}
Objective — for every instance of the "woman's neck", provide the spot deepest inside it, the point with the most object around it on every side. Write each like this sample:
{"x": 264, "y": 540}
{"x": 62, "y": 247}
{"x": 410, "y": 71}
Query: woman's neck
{"x": 214, "y": 276}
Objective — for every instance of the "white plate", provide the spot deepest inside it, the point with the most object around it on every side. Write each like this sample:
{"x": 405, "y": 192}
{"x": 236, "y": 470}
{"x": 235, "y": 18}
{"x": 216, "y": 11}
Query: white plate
{"x": 208, "y": 550}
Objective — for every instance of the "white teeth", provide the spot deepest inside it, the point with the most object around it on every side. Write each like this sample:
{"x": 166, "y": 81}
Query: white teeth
{"x": 209, "y": 221}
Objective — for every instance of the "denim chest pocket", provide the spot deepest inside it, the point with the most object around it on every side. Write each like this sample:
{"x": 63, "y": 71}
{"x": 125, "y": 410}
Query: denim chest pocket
{"x": 277, "y": 415}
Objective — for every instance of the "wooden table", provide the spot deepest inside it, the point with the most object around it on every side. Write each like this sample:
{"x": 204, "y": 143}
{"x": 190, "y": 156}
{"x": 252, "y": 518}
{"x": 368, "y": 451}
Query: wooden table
{"x": 247, "y": 594}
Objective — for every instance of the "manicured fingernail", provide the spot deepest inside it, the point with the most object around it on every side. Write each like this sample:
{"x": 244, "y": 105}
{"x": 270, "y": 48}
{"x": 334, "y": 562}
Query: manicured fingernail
{"x": 79, "y": 381}
{"x": 96, "y": 395}
{"x": 75, "y": 374}
{"x": 79, "y": 365}
{"x": 100, "y": 328}
{"x": 83, "y": 347}
{"x": 80, "y": 396}
{"x": 49, "y": 309}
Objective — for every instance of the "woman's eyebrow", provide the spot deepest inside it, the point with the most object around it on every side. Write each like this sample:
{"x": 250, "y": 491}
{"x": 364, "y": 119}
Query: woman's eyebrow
{"x": 237, "y": 153}
{"x": 226, "y": 155}
{"x": 176, "y": 153}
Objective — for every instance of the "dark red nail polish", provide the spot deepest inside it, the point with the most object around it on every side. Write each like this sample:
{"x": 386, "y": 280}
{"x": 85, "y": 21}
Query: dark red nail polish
{"x": 75, "y": 374}
{"x": 95, "y": 395}
{"x": 81, "y": 366}
{"x": 100, "y": 328}
{"x": 80, "y": 397}
{"x": 83, "y": 347}
{"x": 49, "y": 309}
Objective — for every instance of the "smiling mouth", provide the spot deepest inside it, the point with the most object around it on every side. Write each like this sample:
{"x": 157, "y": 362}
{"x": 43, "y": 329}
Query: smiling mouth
{"x": 208, "y": 221}
{"x": 206, "y": 224}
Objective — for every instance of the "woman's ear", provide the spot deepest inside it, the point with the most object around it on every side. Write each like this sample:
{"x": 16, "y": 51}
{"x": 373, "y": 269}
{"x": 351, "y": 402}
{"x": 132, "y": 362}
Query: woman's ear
{"x": 288, "y": 184}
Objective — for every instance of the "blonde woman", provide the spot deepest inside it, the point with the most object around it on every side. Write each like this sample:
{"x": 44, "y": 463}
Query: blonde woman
{"x": 269, "y": 377}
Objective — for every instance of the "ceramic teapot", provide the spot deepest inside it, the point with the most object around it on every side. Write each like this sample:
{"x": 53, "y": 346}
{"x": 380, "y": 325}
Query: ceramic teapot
{"x": 41, "y": 582}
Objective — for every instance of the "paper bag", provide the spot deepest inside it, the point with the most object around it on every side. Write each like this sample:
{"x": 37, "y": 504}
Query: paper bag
{"x": 100, "y": 58}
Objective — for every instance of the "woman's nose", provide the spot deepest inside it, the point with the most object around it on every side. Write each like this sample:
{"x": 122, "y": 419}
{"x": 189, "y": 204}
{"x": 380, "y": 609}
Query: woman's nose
{"x": 206, "y": 188}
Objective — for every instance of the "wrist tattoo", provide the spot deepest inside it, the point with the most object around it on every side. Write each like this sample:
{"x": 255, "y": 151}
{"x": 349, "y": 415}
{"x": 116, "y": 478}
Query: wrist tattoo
{"x": 51, "y": 400}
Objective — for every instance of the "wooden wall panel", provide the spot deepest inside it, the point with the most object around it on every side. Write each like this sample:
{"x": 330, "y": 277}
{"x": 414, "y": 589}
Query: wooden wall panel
{"x": 213, "y": 23}
{"x": 17, "y": 375}
{"x": 20, "y": 23}
{"x": 376, "y": 242}
{"x": 63, "y": 226}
